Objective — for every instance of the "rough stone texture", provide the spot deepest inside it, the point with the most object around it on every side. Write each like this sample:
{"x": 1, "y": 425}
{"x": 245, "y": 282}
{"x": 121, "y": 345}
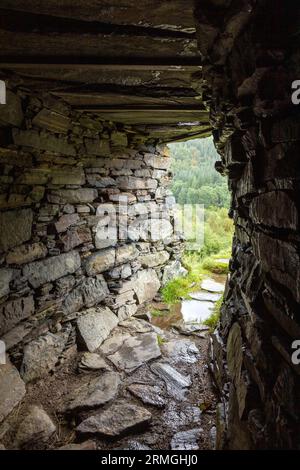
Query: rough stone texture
{"x": 16, "y": 228}
{"x": 247, "y": 88}
{"x": 14, "y": 311}
{"x": 95, "y": 325}
{"x": 26, "y": 253}
{"x": 93, "y": 393}
{"x": 118, "y": 419}
{"x": 135, "y": 351}
{"x": 173, "y": 270}
{"x": 146, "y": 285}
{"x": 50, "y": 269}
{"x": 148, "y": 394}
{"x": 12, "y": 389}
{"x": 42, "y": 354}
{"x": 100, "y": 261}
{"x": 186, "y": 440}
{"x": 35, "y": 429}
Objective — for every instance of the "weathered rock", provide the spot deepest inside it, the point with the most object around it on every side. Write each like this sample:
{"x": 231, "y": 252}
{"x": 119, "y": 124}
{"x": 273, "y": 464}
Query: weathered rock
{"x": 35, "y": 429}
{"x": 212, "y": 286}
{"x": 11, "y": 112}
{"x": 97, "y": 146}
{"x": 182, "y": 350}
{"x": 52, "y": 121}
{"x": 154, "y": 259}
{"x": 50, "y": 269}
{"x": 136, "y": 325}
{"x": 15, "y": 228}
{"x": 154, "y": 161}
{"x": 42, "y": 354}
{"x": 12, "y": 389}
{"x": 100, "y": 261}
{"x": 275, "y": 209}
{"x": 93, "y": 393}
{"x": 174, "y": 380}
{"x": 186, "y": 440}
{"x": 43, "y": 141}
{"x": 72, "y": 196}
{"x": 150, "y": 230}
{"x": 95, "y": 325}
{"x": 26, "y": 253}
{"x": 136, "y": 351}
{"x": 181, "y": 415}
{"x": 146, "y": 285}
{"x": 92, "y": 362}
{"x": 90, "y": 292}
{"x": 65, "y": 221}
{"x": 6, "y": 276}
{"x": 136, "y": 445}
{"x": 173, "y": 270}
{"x": 14, "y": 311}
{"x": 119, "y": 419}
{"x": 86, "y": 445}
{"x": 131, "y": 183}
{"x": 126, "y": 253}
{"x": 148, "y": 394}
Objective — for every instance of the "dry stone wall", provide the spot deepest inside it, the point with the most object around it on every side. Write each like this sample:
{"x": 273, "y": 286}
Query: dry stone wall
{"x": 63, "y": 176}
{"x": 250, "y": 53}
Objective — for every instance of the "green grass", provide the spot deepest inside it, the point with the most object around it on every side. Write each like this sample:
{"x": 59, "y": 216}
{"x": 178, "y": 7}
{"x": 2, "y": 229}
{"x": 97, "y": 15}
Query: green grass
{"x": 218, "y": 232}
{"x": 212, "y": 321}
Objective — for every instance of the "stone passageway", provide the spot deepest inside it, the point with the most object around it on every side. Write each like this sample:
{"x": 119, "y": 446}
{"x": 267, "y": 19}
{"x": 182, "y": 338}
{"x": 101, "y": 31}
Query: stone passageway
{"x": 92, "y": 96}
{"x": 143, "y": 388}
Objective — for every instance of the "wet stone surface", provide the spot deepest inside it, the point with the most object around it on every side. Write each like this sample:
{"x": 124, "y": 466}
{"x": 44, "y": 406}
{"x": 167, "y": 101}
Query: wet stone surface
{"x": 142, "y": 388}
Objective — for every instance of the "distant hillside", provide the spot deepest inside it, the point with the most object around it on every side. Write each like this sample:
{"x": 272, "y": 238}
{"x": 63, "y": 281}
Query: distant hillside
{"x": 195, "y": 178}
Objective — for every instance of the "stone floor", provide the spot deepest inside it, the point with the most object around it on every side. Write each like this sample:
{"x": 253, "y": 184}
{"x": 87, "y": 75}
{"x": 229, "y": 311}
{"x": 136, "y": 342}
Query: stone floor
{"x": 143, "y": 388}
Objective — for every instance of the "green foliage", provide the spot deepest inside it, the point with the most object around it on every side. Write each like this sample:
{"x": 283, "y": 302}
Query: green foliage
{"x": 179, "y": 288}
{"x": 195, "y": 178}
{"x": 212, "y": 321}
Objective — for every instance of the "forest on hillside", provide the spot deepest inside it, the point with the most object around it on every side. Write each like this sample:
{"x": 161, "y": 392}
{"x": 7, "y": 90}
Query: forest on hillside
{"x": 195, "y": 179}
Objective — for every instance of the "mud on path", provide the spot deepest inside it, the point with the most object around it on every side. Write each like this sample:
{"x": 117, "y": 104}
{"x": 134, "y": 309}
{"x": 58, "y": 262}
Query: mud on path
{"x": 144, "y": 388}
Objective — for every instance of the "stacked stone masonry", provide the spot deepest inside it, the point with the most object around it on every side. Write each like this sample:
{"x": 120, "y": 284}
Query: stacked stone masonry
{"x": 250, "y": 53}
{"x": 63, "y": 176}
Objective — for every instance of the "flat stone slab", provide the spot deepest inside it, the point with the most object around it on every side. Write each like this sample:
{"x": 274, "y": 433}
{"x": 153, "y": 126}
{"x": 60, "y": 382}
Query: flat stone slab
{"x": 207, "y": 296}
{"x": 181, "y": 414}
{"x": 190, "y": 329}
{"x": 12, "y": 389}
{"x": 114, "y": 342}
{"x": 92, "y": 362}
{"x": 96, "y": 392}
{"x": 95, "y": 325}
{"x": 148, "y": 394}
{"x": 212, "y": 286}
{"x": 173, "y": 379}
{"x": 186, "y": 440}
{"x": 119, "y": 419}
{"x": 136, "y": 325}
{"x": 182, "y": 350}
{"x": 86, "y": 445}
{"x": 136, "y": 351}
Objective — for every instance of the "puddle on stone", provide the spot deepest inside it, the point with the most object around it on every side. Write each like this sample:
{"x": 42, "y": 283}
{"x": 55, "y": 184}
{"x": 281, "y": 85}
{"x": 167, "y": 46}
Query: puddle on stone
{"x": 197, "y": 309}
